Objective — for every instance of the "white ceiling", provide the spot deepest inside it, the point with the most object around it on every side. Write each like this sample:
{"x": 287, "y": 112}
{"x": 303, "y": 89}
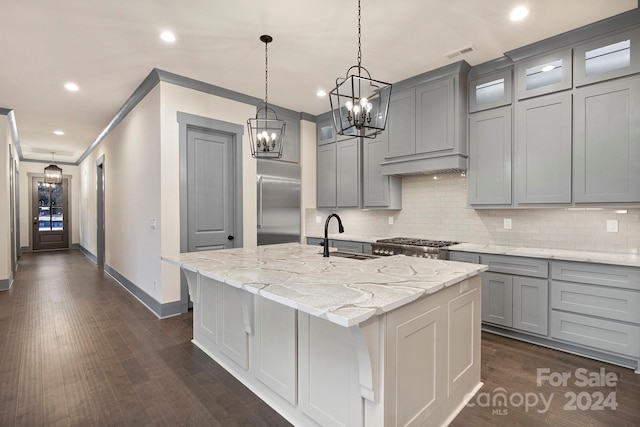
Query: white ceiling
{"x": 109, "y": 47}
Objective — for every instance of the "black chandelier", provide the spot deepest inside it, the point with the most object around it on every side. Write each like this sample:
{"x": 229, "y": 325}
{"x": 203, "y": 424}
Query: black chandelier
{"x": 52, "y": 173}
{"x": 266, "y": 131}
{"x": 360, "y": 104}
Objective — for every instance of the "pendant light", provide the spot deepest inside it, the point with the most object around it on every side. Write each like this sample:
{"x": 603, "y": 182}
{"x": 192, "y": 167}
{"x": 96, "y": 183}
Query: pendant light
{"x": 359, "y": 104}
{"x": 52, "y": 173}
{"x": 266, "y": 131}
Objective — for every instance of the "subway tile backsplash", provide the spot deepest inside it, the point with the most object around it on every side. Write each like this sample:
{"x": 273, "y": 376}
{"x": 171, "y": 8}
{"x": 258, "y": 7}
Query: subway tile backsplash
{"x": 437, "y": 209}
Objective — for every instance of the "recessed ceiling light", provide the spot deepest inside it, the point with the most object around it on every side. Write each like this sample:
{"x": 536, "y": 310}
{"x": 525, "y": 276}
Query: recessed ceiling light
{"x": 71, "y": 87}
{"x": 547, "y": 68}
{"x": 321, "y": 93}
{"x": 519, "y": 13}
{"x": 168, "y": 36}
{"x": 58, "y": 132}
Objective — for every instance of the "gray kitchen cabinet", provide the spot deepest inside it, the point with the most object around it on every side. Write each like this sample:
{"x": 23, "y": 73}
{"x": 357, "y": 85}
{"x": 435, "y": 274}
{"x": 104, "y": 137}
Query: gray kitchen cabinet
{"x": 607, "y": 57}
{"x": 543, "y": 149}
{"x": 497, "y": 298}
{"x": 515, "y": 293}
{"x": 343, "y": 245}
{"x": 401, "y": 124}
{"x": 427, "y": 128}
{"x": 326, "y": 173}
{"x": 378, "y": 191}
{"x": 338, "y": 174}
{"x": 542, "y": 74}
{"x": 348, "y": 171}
{"x": 490, "y": 90}
{"x": 606, "y": 152}
{"x": 490, "y": 157}
{"x": 325, "y": 129}
{"x": 596, "y": 305}
{"x": 464, "y": 257}
{"x": 422, "y": 120}
{"x": 530, "y": 304}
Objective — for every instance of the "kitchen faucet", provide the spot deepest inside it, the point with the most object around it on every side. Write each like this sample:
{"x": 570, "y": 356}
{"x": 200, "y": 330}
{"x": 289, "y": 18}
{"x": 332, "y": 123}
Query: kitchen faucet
{"x": 325, "y": 252}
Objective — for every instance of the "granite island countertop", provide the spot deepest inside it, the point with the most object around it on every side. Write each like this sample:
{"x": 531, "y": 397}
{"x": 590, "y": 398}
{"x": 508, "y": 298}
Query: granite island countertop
{"x": 632, "y": 260}
{"x": 341, "y": 290}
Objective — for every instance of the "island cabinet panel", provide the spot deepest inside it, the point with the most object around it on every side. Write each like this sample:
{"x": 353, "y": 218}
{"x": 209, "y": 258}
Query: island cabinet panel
{"x": 232, "y": 334}
{"x": 606, "y": 151}
{"x": 431, "y": 357}
{"x": 464, "y": 356}
{"x": 275, "y": 356}
{"x": 329, "y": 383}
{"x": 206, "y": 321}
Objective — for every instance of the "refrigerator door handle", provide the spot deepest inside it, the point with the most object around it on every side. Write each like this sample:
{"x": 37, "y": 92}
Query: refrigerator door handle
{"x": 260, "y": 202}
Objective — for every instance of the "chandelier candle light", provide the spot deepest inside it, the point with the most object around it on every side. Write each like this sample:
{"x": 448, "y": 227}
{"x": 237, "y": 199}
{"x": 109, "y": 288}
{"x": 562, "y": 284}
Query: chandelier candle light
{"x": 266, "y": 131}
{"x": 360, "y": 104}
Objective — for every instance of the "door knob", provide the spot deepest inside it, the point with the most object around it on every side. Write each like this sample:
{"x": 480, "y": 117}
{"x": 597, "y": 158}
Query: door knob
{"x": 230, "y": 237}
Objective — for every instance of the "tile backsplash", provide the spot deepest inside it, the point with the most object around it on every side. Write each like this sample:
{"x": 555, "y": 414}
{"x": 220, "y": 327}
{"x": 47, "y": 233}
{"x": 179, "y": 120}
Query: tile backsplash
{"x": 435, "y": 207}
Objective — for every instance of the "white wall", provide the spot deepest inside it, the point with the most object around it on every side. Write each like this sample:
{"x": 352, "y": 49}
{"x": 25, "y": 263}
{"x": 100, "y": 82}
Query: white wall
{"x": 177, "y": 98}
{"x": 437, "y": 209}
{"x": 5, "y": 226}
{"x": 132, "y": 196}
{"x": 29, "y": 170}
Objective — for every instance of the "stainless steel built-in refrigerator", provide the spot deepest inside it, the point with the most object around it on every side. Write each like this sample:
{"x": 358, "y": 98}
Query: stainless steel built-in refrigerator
{"x": 278, "y": 202}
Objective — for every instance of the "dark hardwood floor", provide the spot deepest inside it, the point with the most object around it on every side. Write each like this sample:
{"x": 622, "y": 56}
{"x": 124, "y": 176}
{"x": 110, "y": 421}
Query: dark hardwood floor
{"x": 78, "y": 349}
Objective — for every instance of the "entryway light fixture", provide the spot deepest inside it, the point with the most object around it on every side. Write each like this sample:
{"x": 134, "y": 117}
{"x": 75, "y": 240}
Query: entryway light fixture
{"x": 52, "y": 173}
{"x": 359, "y": 103}
{"x": 266, "y": 131}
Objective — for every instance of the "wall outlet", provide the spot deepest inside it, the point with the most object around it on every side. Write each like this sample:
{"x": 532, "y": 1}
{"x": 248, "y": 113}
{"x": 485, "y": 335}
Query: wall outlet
{"x": 152, "y": 223}
{"x": 318, "y": 219}
{"x": 612, "y": 226}
{"x": 506, "y": 223}
{"x": 390, "y": 220}
{"x": 155, "y": 286}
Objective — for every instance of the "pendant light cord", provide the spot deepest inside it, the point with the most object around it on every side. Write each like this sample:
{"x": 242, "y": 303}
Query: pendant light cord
{"x": 266, "y": 77}
{"x": 359, "y": 42}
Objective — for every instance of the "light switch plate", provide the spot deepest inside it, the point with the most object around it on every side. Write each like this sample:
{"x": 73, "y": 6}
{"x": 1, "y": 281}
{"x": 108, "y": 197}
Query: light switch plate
{"x": 612, "y": 226}
{"x": 390, "y": 220}
{"x": 507, "y": 223}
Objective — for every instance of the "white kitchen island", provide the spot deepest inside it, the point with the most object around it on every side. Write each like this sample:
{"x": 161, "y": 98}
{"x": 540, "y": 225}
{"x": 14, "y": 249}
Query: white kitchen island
{"x": 391, "y": 341}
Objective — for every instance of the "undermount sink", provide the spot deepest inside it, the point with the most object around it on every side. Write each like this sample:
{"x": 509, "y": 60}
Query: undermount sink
{"x": 352, "y": 255}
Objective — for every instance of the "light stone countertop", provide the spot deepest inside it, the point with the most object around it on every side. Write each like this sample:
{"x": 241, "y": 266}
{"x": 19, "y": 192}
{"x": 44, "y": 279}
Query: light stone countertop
{"x": 632, "y": 260}
{"x": 341, "y": 290}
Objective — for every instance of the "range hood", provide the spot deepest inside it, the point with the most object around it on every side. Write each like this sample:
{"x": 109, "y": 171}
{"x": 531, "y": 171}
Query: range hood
{"x": 414, "y": 165}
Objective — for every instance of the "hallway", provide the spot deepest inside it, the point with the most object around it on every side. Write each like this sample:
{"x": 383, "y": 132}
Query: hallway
{"x": 79, "y": 349}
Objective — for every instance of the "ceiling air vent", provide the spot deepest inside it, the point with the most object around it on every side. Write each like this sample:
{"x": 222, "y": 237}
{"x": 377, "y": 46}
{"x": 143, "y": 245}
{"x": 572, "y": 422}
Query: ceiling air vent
{"x": 459, "y": 52}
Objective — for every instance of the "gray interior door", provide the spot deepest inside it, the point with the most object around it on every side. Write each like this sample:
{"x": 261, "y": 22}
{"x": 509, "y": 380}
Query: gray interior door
{"x": 50, "y": 215}
{"x": 14, "y": 253}
{"x": 210, "y": 189}
{"x": 100, "y": 232}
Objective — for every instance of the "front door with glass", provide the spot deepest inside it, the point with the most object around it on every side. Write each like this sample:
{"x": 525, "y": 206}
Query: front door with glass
{"x": 50, "y": 215}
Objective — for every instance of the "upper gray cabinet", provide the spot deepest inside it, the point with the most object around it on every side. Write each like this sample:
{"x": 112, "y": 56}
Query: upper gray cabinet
{"x": 542, "y": 74}
{"x": 489, "y": 173}
{"x": 348, "y": 173}
{"x": 379, "y": 191}
{"x": 543, "y": 149}
{"x": 326, "y": 175}
{"x": 401, "y": 124}
{"x": 606, "y": 156}
{"x": 426, "y": 124}
{"x": 607, "y": 58}
{"x": 490, "y": 91}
